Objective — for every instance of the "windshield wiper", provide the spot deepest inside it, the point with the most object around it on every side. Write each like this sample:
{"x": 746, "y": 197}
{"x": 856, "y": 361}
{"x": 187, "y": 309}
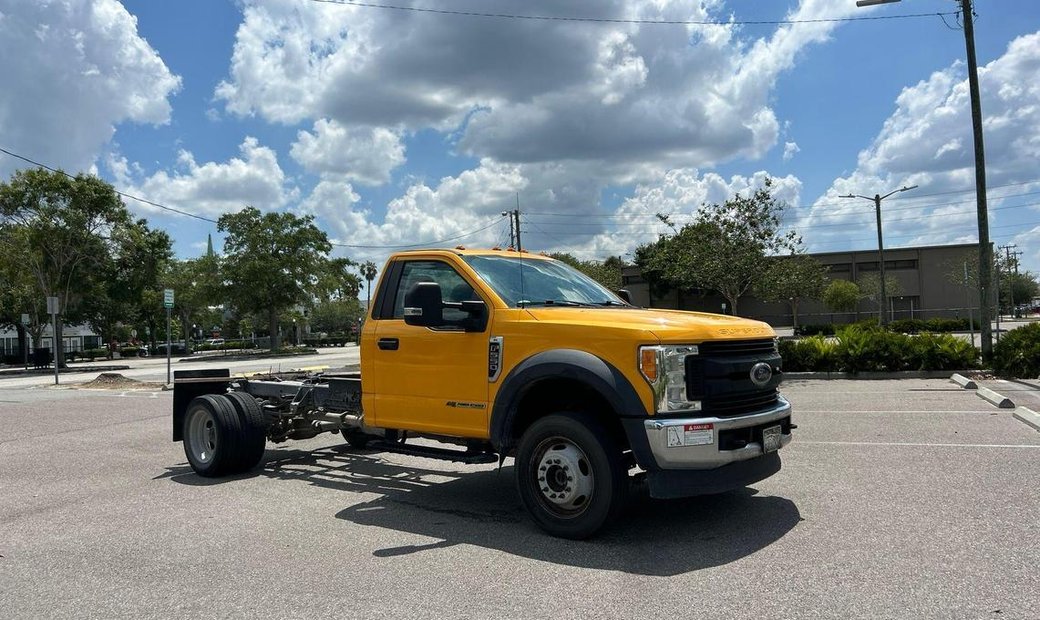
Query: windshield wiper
{"x": 552, "y": 302}
{"x": 612, "y": 302}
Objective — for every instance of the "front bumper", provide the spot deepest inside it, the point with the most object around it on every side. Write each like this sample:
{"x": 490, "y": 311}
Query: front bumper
{"x": 716, "y": 467}
{"x": 710, "y": 455}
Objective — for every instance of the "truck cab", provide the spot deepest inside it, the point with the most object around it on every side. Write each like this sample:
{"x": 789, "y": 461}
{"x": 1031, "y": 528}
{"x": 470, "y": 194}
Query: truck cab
{"x": 488, "y": 344}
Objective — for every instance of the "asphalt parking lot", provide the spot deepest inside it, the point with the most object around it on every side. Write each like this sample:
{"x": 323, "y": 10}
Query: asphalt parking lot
{"x": 898, "y": 499}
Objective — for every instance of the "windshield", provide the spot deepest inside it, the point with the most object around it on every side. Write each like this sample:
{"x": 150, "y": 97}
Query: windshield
{"x": 545, "y": 282}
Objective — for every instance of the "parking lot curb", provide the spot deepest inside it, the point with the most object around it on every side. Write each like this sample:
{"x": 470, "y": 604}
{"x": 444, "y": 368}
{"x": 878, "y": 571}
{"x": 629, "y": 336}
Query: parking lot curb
{"x": 1002, "y": 402}
{"x": 871, "y": 376}
{"x": 1028, "y": 416}
{"x": 963, "y": 381}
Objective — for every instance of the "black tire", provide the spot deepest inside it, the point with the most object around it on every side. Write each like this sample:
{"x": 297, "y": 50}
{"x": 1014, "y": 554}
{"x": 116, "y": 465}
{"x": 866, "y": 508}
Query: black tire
{"x": 211, "y": 436}
{"x": 570, "y": 475}
{"x": 356, "y": 438}
{"x": 253, "y": 438}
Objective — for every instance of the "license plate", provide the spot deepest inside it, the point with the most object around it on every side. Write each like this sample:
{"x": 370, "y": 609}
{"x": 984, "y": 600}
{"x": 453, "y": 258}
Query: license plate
{"x": 771, "y": 439}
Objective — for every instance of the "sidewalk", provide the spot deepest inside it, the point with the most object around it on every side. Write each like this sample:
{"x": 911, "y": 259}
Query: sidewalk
{"x": 75, "y": 367}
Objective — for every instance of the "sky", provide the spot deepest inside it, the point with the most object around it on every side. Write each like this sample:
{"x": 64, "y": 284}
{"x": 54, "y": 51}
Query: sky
{"x": 398, "y": 128}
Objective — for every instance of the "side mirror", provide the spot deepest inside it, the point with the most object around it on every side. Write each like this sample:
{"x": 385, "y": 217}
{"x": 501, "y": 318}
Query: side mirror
{"x": 423, "y": 305}
{"x": 478, "y": 315}
{"x": 624, "y": 294}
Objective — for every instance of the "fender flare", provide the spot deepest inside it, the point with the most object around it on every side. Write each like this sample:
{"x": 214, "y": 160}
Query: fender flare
{"x": 581, "y": 366}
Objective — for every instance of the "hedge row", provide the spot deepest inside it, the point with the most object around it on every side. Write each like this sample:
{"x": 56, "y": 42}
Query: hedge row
{"x": 900, "y": 326}
{"x": 859, "y": 349}
{"x": 332, "y": 340}
{"x": 228, "y": 344}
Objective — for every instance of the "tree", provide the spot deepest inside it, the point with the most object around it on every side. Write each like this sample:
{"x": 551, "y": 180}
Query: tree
{"x": 791, "y": 279}
{"x": 1017, "y": 289}
{"x": 368, "y": 272}
{"x": 196, "y": 284}
{"x": 338, "y": 315}
{"x": 128, "y": 292}
{"x": 870, "y": 286}
{"x": 842, "y": 296}
{"x": 18, "y": 291}
{"x": 67, "y": 225}
{"x": 725, "y": 247}
{"x": 272, "y": 262}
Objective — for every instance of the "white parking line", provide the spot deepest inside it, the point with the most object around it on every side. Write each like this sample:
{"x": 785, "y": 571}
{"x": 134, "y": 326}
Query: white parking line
{"x": 914, "y": 445}
{"x": 895, "y": 411}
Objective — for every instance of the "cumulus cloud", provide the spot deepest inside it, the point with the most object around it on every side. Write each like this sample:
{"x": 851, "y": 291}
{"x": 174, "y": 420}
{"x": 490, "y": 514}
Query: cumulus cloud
{"x": 81, "y": 68}
{"x": 425, "y": 213}
{"x": 928, "y": 142}
{"x": 790, "y": 150}
{"x": 523, "y": 91}
{"x": 679, "y": 195}
{"x": 365, "y": 155}
{"x": 211, "y": 189}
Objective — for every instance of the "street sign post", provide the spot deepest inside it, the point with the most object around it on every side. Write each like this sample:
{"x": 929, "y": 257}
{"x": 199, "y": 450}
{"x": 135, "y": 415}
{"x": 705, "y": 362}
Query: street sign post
{"x": 25, "y": 345}
{"x": 53, "y": 308}
{"x": 168, "y": 304}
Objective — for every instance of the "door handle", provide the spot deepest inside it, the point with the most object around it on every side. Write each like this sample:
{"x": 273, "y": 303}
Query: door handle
{"x": 389, "y": 344}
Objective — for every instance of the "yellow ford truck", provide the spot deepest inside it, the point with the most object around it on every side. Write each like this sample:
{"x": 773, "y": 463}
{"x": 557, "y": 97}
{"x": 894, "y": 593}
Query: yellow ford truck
{"x": 476, "y": 356}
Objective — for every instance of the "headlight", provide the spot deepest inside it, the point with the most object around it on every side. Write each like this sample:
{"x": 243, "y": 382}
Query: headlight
{"x": 664, "y": 368}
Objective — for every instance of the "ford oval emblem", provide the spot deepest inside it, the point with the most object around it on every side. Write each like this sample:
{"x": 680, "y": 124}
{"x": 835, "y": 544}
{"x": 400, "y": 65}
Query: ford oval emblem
{"x": 761, "y": 373}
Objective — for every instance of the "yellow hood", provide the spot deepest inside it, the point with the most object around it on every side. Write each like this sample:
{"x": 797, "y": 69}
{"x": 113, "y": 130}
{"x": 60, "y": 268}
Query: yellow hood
{"x": 674, "y": 326}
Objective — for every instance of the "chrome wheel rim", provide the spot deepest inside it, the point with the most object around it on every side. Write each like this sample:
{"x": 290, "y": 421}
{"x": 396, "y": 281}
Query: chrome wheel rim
{"x": 202, "y": 435}
{"x": 563, "y": 477}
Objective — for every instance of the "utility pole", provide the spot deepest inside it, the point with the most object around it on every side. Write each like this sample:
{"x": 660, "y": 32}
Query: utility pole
{"x": 880, "y": 244}
{"x": 516, "y": 214}
{"x": 985, "y": 251}
{"x": 1012, "y": 261}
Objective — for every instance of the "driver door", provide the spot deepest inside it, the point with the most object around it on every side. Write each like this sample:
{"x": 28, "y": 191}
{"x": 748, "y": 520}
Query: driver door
{"x": 431, "y": 379}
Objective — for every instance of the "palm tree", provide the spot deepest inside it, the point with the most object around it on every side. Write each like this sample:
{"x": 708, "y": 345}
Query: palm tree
{"x": 368, "y": 272}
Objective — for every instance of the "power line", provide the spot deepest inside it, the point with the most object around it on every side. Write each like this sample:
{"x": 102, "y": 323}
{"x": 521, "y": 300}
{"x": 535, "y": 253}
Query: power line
{"x": 123, "y": 194}
{"x": 619, "y": 20}
{"x": 212, "y": 221}
{"x": 831, "y": 204}
{"x": 627, "y": 226}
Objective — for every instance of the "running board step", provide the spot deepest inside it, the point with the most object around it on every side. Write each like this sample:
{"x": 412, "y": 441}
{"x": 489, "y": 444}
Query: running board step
{"x": 443, "y": 454}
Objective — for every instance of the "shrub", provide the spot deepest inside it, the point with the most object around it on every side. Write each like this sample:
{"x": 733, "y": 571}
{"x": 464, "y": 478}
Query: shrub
{"x": 129, "y": 351}
{"x": 907, "y": 326}
{"x": 871, "y": 349}
{"x": 942, "y": 352}
{"x": 1018, "y": 353}
{"x": 92, "y": 354}
{"x": 812, "y": 354}
{"x": 946, "y": 325}
{"x": 825, "y": 329}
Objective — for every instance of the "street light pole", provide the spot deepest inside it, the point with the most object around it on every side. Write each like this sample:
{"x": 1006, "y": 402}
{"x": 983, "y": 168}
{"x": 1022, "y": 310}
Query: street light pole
{"x": 985, "y": 251}
{"x": 880, "y": 243}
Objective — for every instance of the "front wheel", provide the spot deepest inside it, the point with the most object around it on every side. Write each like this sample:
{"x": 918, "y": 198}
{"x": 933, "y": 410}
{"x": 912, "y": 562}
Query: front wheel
{"x": 570, "y": 475}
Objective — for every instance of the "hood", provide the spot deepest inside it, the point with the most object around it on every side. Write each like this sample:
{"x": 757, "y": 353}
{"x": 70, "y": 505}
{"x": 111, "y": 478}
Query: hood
{"x": 668, "y": 325}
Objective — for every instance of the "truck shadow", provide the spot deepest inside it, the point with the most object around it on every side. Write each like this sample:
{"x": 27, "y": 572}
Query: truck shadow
{"x": 482, "y": 508}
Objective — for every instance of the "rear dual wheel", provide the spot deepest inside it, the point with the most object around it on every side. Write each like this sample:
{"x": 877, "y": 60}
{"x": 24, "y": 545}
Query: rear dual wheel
{"x": 224, "y": 434}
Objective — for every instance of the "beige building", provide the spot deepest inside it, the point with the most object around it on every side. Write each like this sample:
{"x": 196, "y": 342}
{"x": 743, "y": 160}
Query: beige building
{"x": 930, "y": 284}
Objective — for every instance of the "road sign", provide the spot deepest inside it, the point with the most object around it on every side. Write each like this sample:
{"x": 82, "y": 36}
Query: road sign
{"x": 52, "y": 305}
{"x": 25, "y": 319}
{"x": 168, "y": 298}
